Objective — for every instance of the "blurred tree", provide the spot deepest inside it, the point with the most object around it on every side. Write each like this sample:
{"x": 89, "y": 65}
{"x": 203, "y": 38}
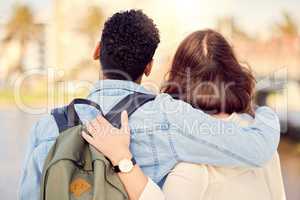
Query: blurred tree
{"x": 91, "y": 24}
{"x": 229, "y": 27}
{"x": 21, "y": 28}
{"x": 288, "y": 27}
{"x": 90, "y": 27}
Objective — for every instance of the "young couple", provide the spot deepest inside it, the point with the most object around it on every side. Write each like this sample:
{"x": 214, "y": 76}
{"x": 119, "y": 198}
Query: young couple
{"x": 199, "y": 139}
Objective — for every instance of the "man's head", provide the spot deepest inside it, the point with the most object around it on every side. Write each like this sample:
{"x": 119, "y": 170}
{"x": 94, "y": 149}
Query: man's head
{"x": 128, "y": 43}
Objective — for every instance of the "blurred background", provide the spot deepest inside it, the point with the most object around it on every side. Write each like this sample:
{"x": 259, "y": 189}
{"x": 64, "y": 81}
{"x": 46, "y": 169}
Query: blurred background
{"x": 46, "y": 60}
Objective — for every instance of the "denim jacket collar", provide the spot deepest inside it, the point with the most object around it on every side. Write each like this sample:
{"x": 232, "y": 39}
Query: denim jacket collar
{"x": 118, "y": 84}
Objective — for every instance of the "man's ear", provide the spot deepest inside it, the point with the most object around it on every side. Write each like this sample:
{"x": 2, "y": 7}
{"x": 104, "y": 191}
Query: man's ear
{"x": 148, "y": 69}
{"x": 97, "y": 49}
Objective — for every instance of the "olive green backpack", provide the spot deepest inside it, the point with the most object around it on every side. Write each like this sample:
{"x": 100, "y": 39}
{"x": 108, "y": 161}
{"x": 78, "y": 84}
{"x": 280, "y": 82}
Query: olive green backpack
{"x": 74, "y": 169}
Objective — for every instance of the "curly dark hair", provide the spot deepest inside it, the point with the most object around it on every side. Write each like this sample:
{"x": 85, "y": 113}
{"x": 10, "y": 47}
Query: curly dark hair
{"x": 128, "y": 43}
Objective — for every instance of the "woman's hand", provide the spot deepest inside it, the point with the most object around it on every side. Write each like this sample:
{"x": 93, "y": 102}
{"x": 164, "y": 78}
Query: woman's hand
{"x": 111, "y": 141}
{"x": 114, "y": 144}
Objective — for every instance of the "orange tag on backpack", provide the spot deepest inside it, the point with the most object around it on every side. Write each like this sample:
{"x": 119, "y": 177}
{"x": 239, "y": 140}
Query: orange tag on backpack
{"x": 79, "y": 186}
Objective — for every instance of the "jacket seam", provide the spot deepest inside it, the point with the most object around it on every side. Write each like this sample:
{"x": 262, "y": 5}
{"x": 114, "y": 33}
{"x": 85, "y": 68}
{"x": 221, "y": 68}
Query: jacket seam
{"x": 155, "y": 156}
{"x": 170, "y": 138}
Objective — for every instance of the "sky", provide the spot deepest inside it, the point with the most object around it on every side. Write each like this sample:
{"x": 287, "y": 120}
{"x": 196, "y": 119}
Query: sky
{"x": 252, "y": 15}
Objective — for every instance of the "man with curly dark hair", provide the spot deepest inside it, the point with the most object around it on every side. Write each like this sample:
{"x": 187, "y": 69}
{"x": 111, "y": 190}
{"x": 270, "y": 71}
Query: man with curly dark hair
{"x": 128, "y": 42}
{"x": 163, "y": 130}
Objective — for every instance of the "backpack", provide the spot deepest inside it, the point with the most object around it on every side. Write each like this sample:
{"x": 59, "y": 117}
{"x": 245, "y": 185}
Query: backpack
{"x": 74, "y": 169}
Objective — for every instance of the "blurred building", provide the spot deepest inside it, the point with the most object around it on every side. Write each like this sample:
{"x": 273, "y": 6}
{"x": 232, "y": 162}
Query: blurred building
{"x": 64, "y": 44}
{"x": 264, "y": 55}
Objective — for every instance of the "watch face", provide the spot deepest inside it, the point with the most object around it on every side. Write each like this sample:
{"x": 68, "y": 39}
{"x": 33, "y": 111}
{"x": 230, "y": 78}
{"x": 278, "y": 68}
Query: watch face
{"x": 125, "y": 165}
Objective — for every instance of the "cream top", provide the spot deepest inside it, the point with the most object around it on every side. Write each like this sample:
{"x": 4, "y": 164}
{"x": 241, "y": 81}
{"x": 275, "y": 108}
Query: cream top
{"x": 206, "y": 182}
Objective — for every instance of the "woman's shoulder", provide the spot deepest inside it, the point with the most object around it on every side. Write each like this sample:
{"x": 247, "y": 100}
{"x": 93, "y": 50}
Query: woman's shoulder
{"x": 243, "y": 119}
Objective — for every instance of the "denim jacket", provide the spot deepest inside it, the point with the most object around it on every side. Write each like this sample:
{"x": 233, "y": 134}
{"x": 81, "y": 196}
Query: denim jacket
{"x": 163, "y": 132}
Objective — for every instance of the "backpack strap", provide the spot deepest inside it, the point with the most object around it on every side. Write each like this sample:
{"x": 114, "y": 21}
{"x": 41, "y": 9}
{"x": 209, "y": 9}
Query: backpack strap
{"x": 67, "y": 117}
{"x": 130, "y": 103}
{"x": 60, "y": 118}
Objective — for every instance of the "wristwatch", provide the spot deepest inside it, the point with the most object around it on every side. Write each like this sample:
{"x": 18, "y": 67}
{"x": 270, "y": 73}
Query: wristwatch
{"x": 124, "y": 166}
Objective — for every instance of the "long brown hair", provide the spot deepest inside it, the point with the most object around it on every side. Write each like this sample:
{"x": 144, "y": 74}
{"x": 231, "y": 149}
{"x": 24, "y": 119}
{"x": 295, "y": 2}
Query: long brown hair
{"x": 206, "y": 73}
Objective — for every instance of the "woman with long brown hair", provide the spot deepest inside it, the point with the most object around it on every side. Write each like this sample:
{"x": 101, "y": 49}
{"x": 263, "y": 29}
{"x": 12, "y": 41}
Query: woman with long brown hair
{"x": 206, "y": 73}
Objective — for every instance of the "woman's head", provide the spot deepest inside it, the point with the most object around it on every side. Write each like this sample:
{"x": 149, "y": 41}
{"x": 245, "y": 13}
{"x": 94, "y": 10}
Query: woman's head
{"x": 206, "y": 73}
